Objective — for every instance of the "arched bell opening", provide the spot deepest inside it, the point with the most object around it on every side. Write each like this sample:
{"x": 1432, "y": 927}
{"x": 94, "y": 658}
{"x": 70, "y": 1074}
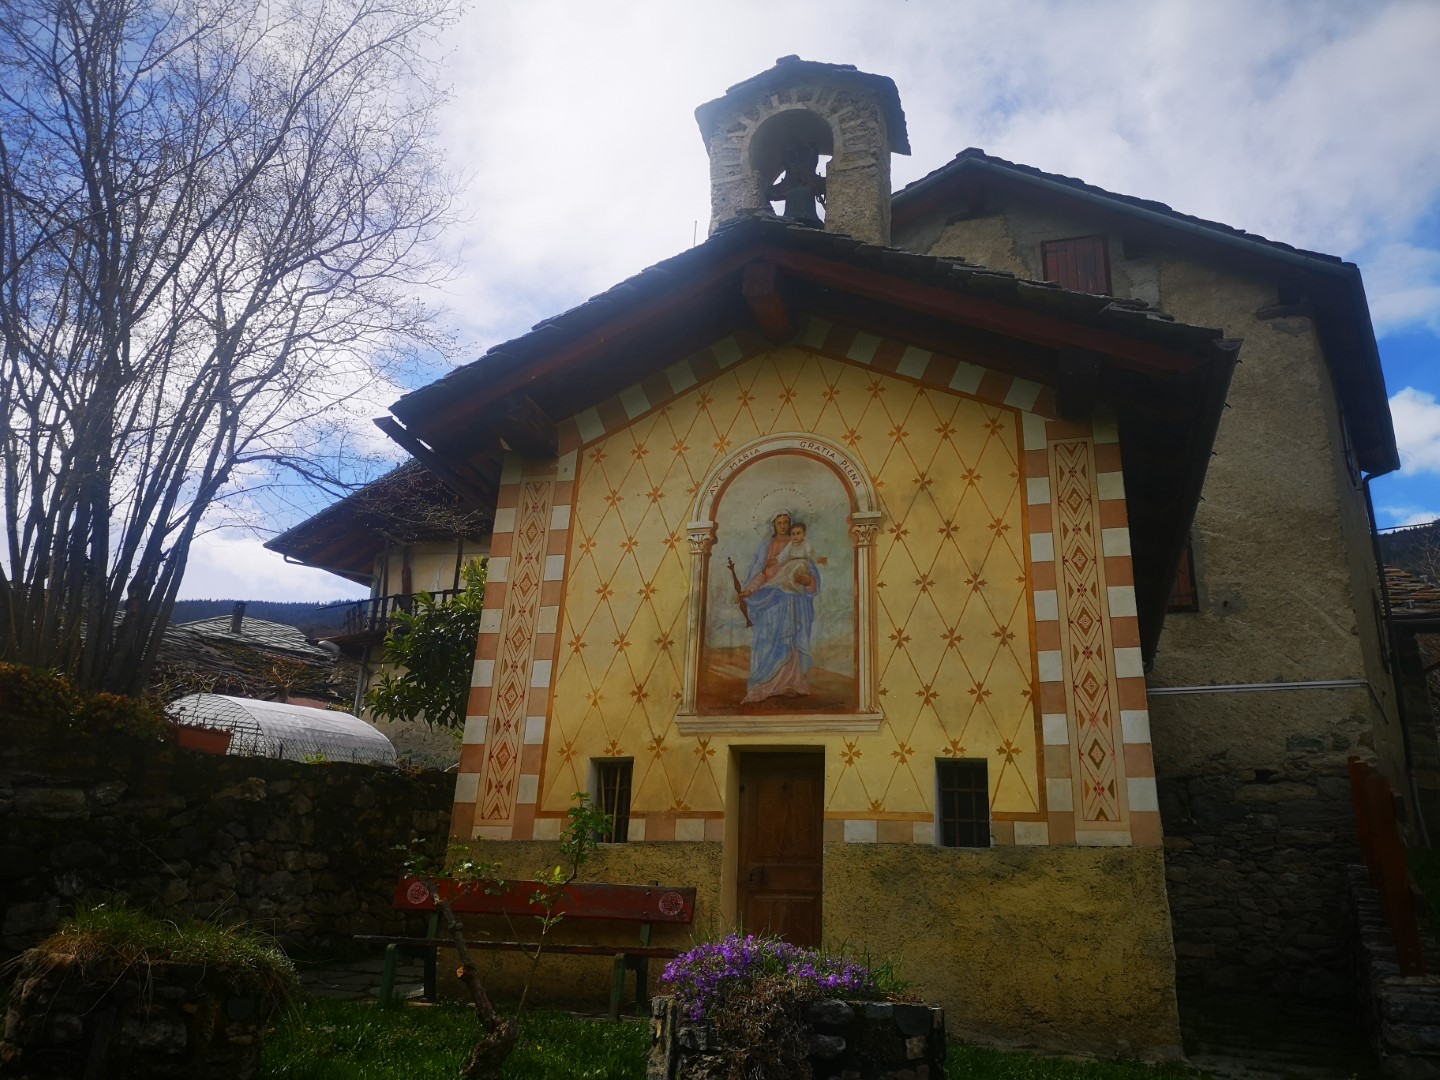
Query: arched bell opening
{"x": 789, "y": 154}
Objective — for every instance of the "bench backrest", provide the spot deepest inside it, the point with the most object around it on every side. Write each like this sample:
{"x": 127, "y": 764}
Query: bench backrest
{"x": 581, "y": 900}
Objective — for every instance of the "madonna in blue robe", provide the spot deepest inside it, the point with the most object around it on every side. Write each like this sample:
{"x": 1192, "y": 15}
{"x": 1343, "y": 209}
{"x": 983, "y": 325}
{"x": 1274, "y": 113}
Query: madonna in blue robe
{"x": 783, "y": 614}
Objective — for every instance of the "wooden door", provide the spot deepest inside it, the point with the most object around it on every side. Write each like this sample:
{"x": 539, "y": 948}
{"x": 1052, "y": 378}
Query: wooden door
{"x": 780, "y": 855}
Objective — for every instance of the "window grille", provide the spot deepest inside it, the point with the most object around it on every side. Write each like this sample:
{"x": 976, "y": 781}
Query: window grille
{"x": 963, "y": 806}
{"x": 612, "y": 793}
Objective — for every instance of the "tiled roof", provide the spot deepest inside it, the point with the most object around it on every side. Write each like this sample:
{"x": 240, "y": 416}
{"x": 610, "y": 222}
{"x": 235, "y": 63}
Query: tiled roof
{"x": 409, "y": 504}
{"x": 1132, "y": 318}
{"x": 205, "y": 655}
{"x": 258, "y": 633}
{"x": 1411, "y": 594}
{"x": 975, "y": 154}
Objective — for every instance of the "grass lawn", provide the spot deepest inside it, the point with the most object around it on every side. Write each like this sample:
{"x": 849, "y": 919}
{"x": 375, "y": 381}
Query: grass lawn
{"x": 334, "y": 1040}
{"x": 342, "y": 1040}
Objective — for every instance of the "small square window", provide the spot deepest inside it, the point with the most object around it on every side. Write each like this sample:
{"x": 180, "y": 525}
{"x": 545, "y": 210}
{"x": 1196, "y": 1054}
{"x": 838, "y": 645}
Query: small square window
{"x": 612, "y": 795}
{"x": 963, "y": 803}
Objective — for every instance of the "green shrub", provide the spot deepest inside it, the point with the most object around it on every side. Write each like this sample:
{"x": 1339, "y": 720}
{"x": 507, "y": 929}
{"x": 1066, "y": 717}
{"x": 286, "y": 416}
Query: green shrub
{"x": 104, "y": 713}
{"x": 49, "y": 698}
{"x": 37, "y": 694}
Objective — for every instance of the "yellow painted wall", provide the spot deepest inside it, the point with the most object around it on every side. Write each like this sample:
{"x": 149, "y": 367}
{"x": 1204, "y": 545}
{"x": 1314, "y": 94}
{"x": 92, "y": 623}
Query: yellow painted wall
{"x": 955, "y": 657}
{"x": 1004, "y": 613}
{"x": 1063, "y": 947}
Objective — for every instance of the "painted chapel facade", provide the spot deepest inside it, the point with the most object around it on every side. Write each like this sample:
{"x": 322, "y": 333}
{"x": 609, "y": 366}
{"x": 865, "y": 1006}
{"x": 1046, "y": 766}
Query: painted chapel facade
{"x": 833, "y": 554}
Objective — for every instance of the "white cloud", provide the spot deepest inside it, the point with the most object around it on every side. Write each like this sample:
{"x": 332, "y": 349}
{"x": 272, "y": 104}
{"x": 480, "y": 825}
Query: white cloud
{"x": 231, "y": 564}
{"x": 1403, "y": 282}
{"x": 1307, "y": 122}
{"x": 1398, "y": 517}
{"x": 1417, "y": 430}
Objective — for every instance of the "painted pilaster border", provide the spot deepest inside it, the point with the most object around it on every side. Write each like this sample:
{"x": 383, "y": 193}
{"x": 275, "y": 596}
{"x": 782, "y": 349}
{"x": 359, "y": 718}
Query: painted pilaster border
{"x": 498, "y": 784}
{"x": 1066, "y": 630}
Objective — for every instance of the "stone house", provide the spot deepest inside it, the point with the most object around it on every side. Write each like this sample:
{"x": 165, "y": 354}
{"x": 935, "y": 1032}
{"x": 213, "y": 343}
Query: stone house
{"x": 860, "y": 563}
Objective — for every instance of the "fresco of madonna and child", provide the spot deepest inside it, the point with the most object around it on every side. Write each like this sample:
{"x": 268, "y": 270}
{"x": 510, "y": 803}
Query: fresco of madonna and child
{"x": 783, "y": 563}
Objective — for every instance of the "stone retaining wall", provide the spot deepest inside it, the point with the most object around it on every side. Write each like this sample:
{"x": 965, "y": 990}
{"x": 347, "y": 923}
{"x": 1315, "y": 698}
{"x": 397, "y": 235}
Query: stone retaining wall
{"x": 1401, "y": 1012}
{"x": 306, "y": 852}
{"x": 850, "y": 1040}
{"x": 1254, "y": 865}
{"x": 156, "y": 1022}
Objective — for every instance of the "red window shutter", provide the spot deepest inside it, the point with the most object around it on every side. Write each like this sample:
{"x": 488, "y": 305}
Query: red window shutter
{"x": 1081, "y": 263}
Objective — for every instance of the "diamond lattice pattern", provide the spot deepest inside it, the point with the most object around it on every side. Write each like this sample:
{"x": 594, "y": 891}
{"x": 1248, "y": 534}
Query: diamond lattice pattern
{"x": 951, "y": 591}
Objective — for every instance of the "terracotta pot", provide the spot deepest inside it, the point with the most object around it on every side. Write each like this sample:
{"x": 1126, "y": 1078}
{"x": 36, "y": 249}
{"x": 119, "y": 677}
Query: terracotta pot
{"x": 206, "y": 740}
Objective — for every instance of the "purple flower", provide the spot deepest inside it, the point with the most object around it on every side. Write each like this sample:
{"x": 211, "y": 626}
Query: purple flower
{"x": 697, "y": 978}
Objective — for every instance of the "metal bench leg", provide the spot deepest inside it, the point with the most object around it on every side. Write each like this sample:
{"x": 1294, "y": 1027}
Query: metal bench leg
{"x": 387, "y": 977}
{"x": 617, "y": 986}
{"x": 642, "y": 980}
{"x": 432, "y": 994}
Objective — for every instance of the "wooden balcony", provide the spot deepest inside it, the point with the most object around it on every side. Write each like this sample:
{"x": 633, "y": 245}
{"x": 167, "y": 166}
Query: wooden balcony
{"x": 368, "y": 621}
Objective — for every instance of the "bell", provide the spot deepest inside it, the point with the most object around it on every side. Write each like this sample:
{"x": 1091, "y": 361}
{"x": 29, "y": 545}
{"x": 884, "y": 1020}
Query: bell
{"x": 800, "y": 205}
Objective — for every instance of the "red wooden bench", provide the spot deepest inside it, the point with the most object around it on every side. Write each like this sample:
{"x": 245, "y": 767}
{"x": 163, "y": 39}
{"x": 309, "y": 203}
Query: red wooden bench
{"x": 589, "y": 900}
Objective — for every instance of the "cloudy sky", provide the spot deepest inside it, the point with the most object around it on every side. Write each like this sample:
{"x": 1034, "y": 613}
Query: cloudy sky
{"x": 1313, "y": 123}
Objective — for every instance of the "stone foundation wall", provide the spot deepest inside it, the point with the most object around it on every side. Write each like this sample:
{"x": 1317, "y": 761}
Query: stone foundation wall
{"x": 1254, "y": 862}
{"x": 849, "y": 1040}
{"x": 306, "y": 852}
{"x": 155, "y": 1022}
{"x": 1402, "y": 1012}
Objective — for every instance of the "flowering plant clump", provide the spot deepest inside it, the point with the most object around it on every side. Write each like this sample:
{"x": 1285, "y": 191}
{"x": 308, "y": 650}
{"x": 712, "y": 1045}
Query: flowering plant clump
{"x": 707, "y": 974}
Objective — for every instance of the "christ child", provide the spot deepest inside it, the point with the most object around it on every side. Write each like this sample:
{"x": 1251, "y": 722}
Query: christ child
{"x": 792, "y": 573}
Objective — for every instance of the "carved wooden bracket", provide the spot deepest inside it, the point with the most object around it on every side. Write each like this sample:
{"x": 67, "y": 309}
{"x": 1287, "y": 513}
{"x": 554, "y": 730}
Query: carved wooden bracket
{"x": 760, "y": 285}
{"x": 524, "y": 426}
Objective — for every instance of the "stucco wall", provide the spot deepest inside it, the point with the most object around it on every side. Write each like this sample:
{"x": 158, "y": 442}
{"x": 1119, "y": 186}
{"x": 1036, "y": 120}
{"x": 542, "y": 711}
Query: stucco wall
{"x": 1001, "y": 604}
{"x": 1062, "y": 948}
{"x": 1252, "y": 785}
{"x": 955, "y": 644}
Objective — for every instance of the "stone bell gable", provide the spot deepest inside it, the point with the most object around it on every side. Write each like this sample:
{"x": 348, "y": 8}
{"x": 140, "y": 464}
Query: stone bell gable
{"x": 853, "y": 117}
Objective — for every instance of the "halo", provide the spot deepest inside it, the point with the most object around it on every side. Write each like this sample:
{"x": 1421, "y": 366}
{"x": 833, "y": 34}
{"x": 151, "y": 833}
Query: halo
{"x": 794, "y": 499}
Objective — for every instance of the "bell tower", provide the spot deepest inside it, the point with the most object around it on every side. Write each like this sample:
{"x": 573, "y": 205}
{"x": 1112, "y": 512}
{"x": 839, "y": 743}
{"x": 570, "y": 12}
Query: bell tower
{"x": 765, "y": 137}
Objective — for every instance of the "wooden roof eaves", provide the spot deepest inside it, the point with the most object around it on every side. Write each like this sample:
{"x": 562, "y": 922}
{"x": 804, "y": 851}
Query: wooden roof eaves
{"x": 1037, "y": 312}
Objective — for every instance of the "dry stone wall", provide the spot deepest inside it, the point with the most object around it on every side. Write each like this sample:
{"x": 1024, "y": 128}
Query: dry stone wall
{"x": 1254, "y": 866}
{"x": 157, "y": 1022}
{"x": 306, "y": 852}
{"x": 849, "y": 1040}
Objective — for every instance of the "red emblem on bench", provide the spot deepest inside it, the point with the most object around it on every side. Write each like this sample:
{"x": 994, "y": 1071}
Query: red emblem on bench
{"x": 417, "y": 893}
{"x": 671, "y": 903}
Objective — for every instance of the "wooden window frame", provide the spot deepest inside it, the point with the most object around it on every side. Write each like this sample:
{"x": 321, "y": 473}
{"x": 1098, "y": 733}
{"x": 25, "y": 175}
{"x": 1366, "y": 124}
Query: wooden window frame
{"x": 962, "y": 785}
{"x": 612, "y": 786}
{"x": 1061, "y": 266}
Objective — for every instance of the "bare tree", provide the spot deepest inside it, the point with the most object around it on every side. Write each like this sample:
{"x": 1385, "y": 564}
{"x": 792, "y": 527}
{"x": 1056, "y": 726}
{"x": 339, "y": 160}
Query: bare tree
{"x": 214, "y": 219}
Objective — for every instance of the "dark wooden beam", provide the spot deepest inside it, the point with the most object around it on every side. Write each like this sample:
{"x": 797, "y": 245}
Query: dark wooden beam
{"x": 524, "y": 425}
{"x": 760, "y": 285}
{"x": 1077, "y": 383}
{"x": 467, "y": 487}
{"x": 1018, "y": 322}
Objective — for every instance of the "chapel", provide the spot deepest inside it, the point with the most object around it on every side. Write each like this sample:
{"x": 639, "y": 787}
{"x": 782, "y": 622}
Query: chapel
{"x": 924, "y": 572}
